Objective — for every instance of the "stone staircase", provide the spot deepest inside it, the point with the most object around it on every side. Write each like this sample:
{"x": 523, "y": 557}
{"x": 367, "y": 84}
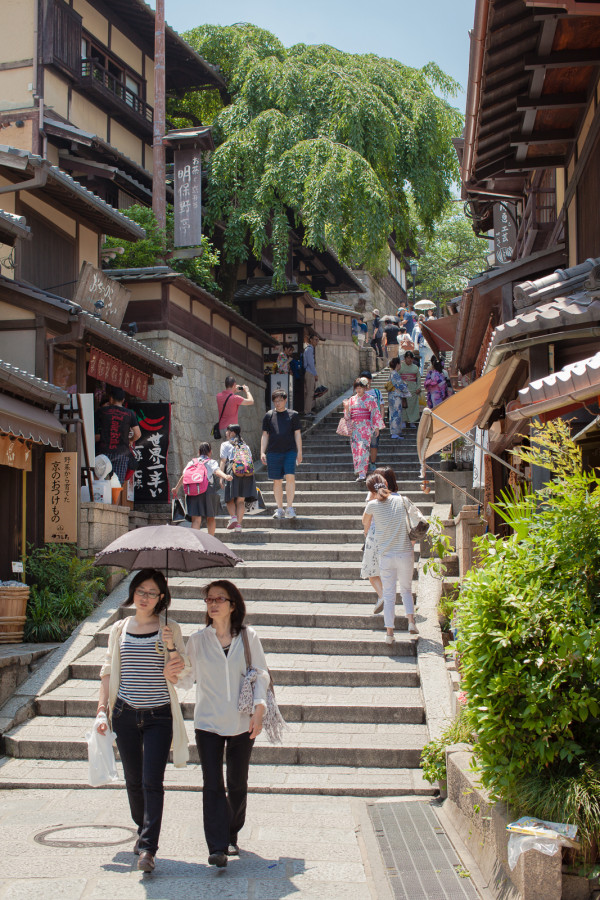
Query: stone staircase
{"x": 353, "y": 702}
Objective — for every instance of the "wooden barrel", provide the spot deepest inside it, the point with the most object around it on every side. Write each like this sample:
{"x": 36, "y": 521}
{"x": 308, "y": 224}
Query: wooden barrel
{"x": 13, "y": 606}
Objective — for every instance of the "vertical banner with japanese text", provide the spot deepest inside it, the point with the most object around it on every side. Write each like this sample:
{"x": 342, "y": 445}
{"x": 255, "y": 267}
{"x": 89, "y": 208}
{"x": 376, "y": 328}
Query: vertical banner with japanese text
{"x": 187, "y": 198}
{"x": 505, "y": 231}
{"x": 60, "y": 491}
{"x": 150, "y": 479}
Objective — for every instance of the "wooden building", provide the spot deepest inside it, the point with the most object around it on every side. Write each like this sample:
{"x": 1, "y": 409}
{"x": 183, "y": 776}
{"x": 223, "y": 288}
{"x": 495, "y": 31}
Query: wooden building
{"x": 77, "y": 87}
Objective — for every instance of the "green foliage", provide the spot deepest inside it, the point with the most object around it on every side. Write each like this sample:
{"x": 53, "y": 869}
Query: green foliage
{"x": 433, "y": 756}
{"x": 345, "y": 142}
{"x": 450, "y": 255}
{"x": 529, "y": 640}
{"x": 517, "y": 508}
{"x": 440, "y": 547}
{"x": 558, "y": 794}
{"x": 157, "y": 247}
{"x": 64, "y": 589}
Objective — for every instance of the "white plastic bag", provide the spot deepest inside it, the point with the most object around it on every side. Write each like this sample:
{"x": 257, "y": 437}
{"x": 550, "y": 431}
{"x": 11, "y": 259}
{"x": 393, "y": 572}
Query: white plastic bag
{"x": 521, "y": 843}
{"x": 101, "y": 757}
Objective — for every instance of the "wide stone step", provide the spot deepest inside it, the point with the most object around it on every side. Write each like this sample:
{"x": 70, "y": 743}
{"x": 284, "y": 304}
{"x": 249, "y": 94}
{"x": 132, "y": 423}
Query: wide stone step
{"x": 272, "y": 537}
{"x": 304, "y": 669}
{"x": 295, "y": 614}
{"x": 306, "y": 743}
{"x": 288, "y": 570}
{"x": 347, "y": 552}
{"x": 307, "y": 499}
{"x": 316, "y": 703}
{"x": 348, "y": 487}
{"x": 303, "y": 589}
{"x": 331, "y": 641}
{"x": 351, "y": 781}
{"x": 342, "y": 506}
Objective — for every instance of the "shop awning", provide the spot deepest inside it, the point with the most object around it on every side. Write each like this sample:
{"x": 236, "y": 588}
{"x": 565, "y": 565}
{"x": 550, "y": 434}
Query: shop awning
{"x": 463, "y": 411}
{"x": 29, "y": 422}
{"x": 440, "y": 334}
{"x": 570, "y": 387}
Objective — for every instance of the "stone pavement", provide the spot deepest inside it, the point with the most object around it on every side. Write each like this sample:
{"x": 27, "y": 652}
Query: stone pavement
{"x": 66, "y": 844}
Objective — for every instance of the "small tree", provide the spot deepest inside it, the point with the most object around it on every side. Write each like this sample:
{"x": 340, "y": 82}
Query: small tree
{"x": 157, "y": 249}
{"x": 529, "y": 640}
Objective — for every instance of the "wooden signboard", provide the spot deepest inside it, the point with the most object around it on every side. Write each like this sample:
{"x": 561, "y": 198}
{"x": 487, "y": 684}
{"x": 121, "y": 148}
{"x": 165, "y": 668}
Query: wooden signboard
{"x": 93, "y": 286}
{"x": 60, "y": 492}
{"x": 505, "y": 232}
{"x": 187, "y": 198}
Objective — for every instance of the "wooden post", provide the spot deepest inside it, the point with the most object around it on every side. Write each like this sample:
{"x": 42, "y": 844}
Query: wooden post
{"x": 158, "y": 148}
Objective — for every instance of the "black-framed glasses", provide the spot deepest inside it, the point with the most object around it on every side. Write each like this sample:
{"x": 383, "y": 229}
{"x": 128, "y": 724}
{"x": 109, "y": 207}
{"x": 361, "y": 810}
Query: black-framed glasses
{"x": 147, "y": 595}
{"x": 219, "y": 600}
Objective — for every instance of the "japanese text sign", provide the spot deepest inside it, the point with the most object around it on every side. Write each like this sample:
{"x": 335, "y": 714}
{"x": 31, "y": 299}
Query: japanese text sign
{"x": 60, "y": 489}
{"x": 150, "y": 479}
{"x": 187, "y": 198}
{"x": 505, "y": 231}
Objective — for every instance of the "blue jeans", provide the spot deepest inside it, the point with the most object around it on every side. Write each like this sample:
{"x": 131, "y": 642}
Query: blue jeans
{"x": 144, "y": 739}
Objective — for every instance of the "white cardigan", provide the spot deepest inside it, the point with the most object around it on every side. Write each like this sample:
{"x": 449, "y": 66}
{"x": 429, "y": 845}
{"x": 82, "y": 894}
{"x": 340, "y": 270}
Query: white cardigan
{"x": 112, "y": 667}
{"x": 218, "y": 680}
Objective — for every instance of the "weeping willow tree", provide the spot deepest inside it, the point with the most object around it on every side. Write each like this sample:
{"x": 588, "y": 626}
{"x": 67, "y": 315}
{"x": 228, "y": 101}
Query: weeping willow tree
{"x": 347, "y": 144}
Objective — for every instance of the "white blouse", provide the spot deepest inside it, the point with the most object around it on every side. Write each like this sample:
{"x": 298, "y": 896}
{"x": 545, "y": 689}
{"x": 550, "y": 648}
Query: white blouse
{"x": 219, "y": 677}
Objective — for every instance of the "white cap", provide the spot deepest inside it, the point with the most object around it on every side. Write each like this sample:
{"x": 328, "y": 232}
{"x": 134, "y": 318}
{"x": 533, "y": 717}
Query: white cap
{"x": 102, "y": 467}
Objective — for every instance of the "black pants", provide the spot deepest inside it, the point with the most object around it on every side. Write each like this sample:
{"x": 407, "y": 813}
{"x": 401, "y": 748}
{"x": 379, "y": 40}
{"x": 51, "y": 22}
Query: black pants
{"x": 224, "y": 813}
{"x": 144, "y": 739}
{"x": 376, "y": 345}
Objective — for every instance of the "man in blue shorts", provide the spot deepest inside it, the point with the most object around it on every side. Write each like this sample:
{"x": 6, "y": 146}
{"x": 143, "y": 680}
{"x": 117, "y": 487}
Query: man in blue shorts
{"x": 280, "y": 450}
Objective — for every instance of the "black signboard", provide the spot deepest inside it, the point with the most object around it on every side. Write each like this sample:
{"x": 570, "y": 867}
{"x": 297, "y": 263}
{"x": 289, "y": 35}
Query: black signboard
{"x": 188, "y": 198}
{"x": 150, "y": 479}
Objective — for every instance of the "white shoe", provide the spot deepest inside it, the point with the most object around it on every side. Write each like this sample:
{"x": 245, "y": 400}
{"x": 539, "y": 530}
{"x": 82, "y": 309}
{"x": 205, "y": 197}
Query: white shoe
{"x": 232, "y": 523}
{"x": 278, "y": 514}
{"x": 378, "y": 607}
{"x": 290, "y": 513}
{"x": 237, "y": 527}
{"x": 389, "y": 638}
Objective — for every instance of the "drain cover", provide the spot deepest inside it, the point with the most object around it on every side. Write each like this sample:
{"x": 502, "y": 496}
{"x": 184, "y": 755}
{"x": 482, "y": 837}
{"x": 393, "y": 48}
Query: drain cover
{"x": 420, "y": 861}
{"x": 85, "y": 836}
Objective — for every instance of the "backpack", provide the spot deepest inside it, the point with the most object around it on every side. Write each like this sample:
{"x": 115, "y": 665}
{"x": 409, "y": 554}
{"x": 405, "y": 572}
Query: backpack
{"x": 241, "y": 461}
{"x": 297, "y": 368}
{"x": 195, "y": 478}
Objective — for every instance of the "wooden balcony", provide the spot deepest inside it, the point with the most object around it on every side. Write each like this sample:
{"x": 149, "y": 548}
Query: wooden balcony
{"x": 108, "y": 92}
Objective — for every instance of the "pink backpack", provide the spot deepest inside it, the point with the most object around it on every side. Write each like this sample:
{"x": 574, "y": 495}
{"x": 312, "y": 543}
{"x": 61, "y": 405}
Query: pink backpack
{"x": 195, "y": 478}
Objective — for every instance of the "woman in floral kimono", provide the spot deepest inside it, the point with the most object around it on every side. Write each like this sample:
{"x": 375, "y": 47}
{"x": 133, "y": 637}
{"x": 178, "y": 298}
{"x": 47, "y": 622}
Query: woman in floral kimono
{"x": 436, "y": 384}
{"x": 395, "y": 397}
{"x": 411, "y": 376}
{"x": 364, "y": 420}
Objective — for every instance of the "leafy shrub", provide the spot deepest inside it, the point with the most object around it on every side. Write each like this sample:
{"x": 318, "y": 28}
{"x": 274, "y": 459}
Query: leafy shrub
{"x": 433, "y": 755}
{"x": 530, "y": 638}
{"x": 64, "y": 589}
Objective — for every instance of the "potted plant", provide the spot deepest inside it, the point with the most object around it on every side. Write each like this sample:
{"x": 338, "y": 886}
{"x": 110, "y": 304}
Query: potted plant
{"x": 447, "y": 461}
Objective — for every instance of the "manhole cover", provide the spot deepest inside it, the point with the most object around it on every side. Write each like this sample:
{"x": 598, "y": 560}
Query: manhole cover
{"x": 85, "y": 836}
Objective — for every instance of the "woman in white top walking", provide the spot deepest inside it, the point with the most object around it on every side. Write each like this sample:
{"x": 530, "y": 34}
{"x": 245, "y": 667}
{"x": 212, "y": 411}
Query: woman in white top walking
{"x": 143, "y": 662}
{"x": 218, "y": 666}
{"x": 396, "y": 553}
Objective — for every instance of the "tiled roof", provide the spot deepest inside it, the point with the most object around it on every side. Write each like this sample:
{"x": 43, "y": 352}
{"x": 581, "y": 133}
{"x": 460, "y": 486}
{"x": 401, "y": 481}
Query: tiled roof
{"x": 25, "y": 382}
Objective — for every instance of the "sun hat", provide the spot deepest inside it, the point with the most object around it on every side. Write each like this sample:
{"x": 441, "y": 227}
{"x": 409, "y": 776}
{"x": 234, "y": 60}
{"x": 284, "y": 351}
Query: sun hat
{"x": 102, "y": 467}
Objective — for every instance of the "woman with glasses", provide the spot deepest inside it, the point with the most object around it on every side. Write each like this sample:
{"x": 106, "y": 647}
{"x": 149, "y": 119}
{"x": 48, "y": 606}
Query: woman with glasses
{"x": 218, "y": 662}
{"x": 144, "y": 661}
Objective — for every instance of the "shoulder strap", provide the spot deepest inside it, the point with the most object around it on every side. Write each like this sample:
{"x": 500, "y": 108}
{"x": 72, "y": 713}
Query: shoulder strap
{"x": 224, "y": 407}
{"x": 246, "y": 643}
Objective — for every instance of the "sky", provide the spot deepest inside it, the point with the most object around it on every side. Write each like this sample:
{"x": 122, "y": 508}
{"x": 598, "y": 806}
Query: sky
{"x": 412, "y": 31}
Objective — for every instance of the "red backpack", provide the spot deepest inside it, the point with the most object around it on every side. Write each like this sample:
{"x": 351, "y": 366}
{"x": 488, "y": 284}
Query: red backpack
{"x": 195, "y": 478}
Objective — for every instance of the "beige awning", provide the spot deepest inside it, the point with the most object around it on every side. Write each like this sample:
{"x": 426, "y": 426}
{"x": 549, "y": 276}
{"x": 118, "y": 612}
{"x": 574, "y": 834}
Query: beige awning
{"x": 29, "y": 422}
{"x": 572, "y": 385}
{"x": 463, "y": 411}
{"x": 440, "y": 334}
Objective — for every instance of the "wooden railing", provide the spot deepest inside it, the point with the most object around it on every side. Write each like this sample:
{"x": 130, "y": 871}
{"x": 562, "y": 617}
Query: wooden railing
{"x": 97, "y": 76}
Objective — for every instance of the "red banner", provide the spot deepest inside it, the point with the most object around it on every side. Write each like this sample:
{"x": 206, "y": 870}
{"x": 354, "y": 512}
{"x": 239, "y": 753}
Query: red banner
{"x": 104, "y": 367}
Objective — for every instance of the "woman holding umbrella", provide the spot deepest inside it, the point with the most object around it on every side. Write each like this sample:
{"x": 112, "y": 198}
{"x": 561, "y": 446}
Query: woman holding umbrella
{"x": 143, "y": 663}
{"x": 218, "y": 664}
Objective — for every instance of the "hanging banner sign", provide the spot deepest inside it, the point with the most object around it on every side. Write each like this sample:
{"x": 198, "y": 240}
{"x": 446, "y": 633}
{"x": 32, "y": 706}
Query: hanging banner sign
{"x": 60, "y": 494}
{"x": 150, "y": 479}
{"x": 187, "y": 198}
{"x": 15, "y": 453}
{"x": 505, "y": 232}
{"x": 104, "y": 367}
{"x": 94, "y": 286}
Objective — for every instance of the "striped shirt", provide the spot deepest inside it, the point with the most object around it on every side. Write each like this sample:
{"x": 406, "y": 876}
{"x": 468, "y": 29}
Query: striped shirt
{"x": 389, "y": 517}
{"x": 143, "y": 684}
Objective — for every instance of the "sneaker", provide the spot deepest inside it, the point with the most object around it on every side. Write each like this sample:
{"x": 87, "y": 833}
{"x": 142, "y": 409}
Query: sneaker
{"x": 279, "y": 513}
{"x": 232, "y": 523}
{"x": 218, "y": 859}
{"x": 397, "y": 437}
{"x": 389, "y": 638}
{"x": 290, "y": 513}
{"x": 233, "y": 850}
{"x": 237, "y": 527}
{"x": 378, "y": 607}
